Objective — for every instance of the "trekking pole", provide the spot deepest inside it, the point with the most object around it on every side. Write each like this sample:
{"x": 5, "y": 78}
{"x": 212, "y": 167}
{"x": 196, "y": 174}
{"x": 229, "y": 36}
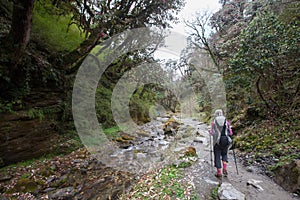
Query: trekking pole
{"x": 210, "y": 149}
{"x": 233, "y": 146}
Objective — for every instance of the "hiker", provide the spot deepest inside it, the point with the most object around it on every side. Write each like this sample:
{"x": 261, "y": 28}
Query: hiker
{"x": 220, "y": 149}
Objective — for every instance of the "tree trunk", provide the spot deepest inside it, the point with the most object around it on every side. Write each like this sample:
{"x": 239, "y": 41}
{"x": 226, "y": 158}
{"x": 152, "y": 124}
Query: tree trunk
{"x": 76, "y": 56}
{"x": 21, "y": 26}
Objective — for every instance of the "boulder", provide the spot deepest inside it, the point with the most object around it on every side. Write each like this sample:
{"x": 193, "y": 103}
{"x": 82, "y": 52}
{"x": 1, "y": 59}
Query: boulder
{"x": 227, "y": 192}
{"x": 288, "y": 176}
{"x": 171, "y": 126}
{"x": 190, "y": 152}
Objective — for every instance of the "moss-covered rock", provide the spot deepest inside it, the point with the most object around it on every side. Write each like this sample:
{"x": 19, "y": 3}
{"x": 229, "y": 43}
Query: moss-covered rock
{"x": 288, "y": 176}
{"x": 190, "y": 152}
{"x": 25, "y": 185}
{"x": 171, "y": 126}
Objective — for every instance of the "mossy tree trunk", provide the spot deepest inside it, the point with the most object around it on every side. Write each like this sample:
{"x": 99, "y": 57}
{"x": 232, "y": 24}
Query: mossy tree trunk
{"x": 21, "y": 26}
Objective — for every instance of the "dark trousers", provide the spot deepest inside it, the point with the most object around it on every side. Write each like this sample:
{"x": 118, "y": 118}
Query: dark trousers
{"x": 220, "y": 153}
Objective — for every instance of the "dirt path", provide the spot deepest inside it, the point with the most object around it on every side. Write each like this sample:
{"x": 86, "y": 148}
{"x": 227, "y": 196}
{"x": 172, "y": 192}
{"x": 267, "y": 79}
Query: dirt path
{"x": 201, "y": 174}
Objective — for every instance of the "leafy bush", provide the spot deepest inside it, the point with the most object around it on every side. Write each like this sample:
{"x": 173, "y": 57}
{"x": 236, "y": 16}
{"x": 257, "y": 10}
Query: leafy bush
{"x": 266, "y": 63}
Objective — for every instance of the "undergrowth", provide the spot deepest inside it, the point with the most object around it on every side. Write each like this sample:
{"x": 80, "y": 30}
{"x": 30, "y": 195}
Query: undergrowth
{"x": 165, "y": 183}
{"x": 271, "y": 143}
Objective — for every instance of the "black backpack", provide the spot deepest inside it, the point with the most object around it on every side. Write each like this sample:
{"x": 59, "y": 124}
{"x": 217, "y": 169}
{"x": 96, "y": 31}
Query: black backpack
{"x": 225, "y": 140}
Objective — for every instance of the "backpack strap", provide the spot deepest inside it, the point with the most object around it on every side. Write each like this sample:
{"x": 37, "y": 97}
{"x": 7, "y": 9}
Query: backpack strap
{"x": 223, "y": 132}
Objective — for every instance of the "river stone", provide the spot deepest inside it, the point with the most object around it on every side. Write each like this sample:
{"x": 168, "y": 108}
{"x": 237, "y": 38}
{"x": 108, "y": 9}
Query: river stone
{"x": 162, "y": 119}
{"x": 288, "y": 176}
{"x": 227, "y": 192}
{"x": 171, "y": 126}
{"x": 143, "y": 133}
{"x": 199, "y": 139}
{"x": 255, "y": 183}
{"x": 63, "y": 193}
{"x": 187, "y": 131}
{"x": 250, "y": 169}
{"x": 5, "y": 177}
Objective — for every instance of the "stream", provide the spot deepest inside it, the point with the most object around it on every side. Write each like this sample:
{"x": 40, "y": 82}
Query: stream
{"x": 161, "y": 142}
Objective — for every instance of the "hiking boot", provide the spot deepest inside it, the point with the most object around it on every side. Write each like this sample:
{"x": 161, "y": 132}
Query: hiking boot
{"x": 218, "y": 175}
{"x": 225, "y": 173}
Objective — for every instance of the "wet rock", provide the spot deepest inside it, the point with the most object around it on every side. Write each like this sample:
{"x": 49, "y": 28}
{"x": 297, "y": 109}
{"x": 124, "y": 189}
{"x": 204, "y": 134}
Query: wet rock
{"x": 162, "y": 119}
{"x": 141, "y": 156}
{"x": 199, "y": 133}
{"x": 250, "y": 169}
{"x": 227, "y": 192}
{"x": 163, "y": 143}
{"x": 288, "y": 176}
{"x": 199, "y": 139}
{"x": 171, "y": 126}
{"x": 49, "y": 189}
{"x": 50, "y": 179}
{"x": 255, "y": 183}
{"x": 5, "y": 177}
{"x": 126, "y": 137}
{"x": 143, "y": 133}
{"x": 190, "y": 152}
{"x": 77, "y": 160}
{"x": 63, "y": 193}
{"x": 209, "y": 181}
{"x": 187, "y": 131}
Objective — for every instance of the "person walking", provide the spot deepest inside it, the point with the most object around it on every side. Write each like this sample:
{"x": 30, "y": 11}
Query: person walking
{"x": 218, "y": 125}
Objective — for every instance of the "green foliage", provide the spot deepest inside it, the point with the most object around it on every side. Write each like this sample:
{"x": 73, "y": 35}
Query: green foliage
{"x": 35, "y": 113}
{"x": 53, "y": 29}
{"x": 112, "y": 132}
{"x": 267, "y": 47}
{"x": 6, "y": 107}
{"x": 277, "y": 143}
{"x": 214, "y": 193}
{"x": 185, "y": 164}
{"x": 164, "y": 184}
{"x": 141, "y": 102}
{"x": 103, "y": 106}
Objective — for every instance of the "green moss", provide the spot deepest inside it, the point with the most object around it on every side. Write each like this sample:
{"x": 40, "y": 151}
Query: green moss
{"x": 24, "y": 185}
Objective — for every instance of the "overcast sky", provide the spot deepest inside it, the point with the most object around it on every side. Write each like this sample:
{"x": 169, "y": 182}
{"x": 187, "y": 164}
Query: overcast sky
{"x": 177, "y": 40}
{"x": 191, "y": 7}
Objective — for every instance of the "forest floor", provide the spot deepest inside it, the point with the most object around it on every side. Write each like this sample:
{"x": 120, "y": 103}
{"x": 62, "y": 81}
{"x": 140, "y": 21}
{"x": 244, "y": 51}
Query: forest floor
{"x": 80, "y": 176}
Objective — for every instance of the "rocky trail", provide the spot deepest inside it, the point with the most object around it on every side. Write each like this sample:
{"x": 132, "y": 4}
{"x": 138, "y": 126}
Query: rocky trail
{"x": 158, "y": 143}
{"x": 247, "y": 184}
